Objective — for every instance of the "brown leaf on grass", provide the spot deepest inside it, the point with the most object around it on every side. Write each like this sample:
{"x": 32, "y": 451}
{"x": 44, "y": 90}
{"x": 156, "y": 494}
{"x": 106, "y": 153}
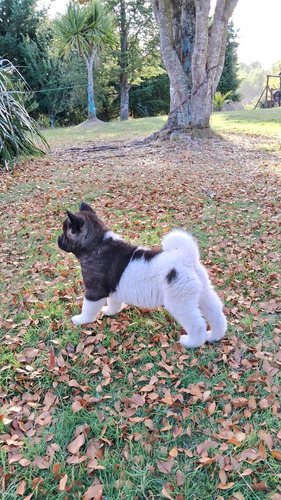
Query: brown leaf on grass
{"x": 268, "y": 441}
{"x": 250, "y": 454}
{"x": 41, "y": 462}
{"x": 94, "y": 492}
{"x": 166, "y": 494}
{"x": 252, "y": 403}
{"x": 168, "y": 400}
{"x": 179, "y": 476}
{"x": 173, "y": 452}
{"x": 195, "y": 391}
{"x": 225, "y": 486}
{"x": 21, "y": 488}
{"x": 147, "y": 388}
{"x": 62, "y": 483}
{"x": 24, "y": 462}
{"x": 223, "y": 476}
{"x": 262, "y": 451}
{"x": 259, "y": 486}
{"x": 137, "y": 400}
{"x": 275, "y": 496}
{"x": 164, "y": 467}
{"x": 246, "y": 472}
{"x": 76, "y": 444}
{"x": 149, "y": 423}
{"x": 56, "y": 467}
{"x": 264, "y": 404}
{"x": 212, "y": 408}
{"x": 94, "y": 465}
{"x": 76, "y": 406}
{"x": 276, "y": 454}
{"x": 15, "y": 457}
{"x": 177, "y": 431}
{"x": 95, "y": 449}
{"x": 238, "y": 495}
{"x": 37, "y": 481}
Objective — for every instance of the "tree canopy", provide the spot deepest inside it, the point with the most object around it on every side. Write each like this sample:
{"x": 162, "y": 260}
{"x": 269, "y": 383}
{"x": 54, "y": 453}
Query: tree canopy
{"x": 121, "y": 51}
{"x": 85, "y": 29}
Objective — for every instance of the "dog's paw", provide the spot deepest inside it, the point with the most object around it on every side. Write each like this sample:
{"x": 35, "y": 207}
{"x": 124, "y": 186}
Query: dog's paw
{"x": 110, "y": 311}
{"x": 213, "y": 336}
{"x": 190, "y": 342}
{"x": 77, "y": 320}
{"x": 107, "y": 311}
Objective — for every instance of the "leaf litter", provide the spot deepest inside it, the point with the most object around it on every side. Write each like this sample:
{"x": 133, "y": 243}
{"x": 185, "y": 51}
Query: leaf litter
{"x": 139, "y": 408}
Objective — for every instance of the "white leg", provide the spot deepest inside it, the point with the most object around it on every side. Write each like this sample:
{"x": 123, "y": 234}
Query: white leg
{"x": 89, "y": 311}
{"x": 211, "y": 307}
{"x": 113, "y": 307}
{"x": 185, "y": 309}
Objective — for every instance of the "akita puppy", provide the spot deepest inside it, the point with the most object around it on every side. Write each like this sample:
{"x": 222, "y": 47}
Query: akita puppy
{"x": 116, "y": 272}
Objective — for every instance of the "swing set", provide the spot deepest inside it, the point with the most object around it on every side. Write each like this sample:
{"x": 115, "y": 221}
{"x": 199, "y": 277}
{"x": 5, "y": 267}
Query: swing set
{"x": 272, "y": 95}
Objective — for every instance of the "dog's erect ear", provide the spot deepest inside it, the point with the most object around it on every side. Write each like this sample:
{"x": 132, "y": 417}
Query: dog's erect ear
{"x": 76, "y": 221}
{"x": 85, "y": 207}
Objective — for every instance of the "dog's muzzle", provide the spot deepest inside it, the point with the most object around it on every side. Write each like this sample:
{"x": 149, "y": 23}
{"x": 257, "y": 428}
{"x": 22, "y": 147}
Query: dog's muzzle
{"x": 62, "y": 243}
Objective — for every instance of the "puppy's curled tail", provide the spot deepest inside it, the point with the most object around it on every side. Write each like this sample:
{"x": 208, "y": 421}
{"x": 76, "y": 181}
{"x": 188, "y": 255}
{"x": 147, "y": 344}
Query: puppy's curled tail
{"x": 183, "y": 243}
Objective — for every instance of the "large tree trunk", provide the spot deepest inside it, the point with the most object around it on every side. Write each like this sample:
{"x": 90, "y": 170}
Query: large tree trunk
{"x": 176, "y": 22}
{"x": 193, "y": 54}
{"x": 124, "y": 98}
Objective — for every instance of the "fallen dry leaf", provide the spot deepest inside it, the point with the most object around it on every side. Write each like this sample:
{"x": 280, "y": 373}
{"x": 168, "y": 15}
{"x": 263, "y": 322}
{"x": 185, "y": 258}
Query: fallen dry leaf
{"x": 76, "y": 444}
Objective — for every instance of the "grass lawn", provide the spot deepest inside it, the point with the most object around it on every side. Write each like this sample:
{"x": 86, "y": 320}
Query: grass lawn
{"x": 256, "y": 121}
{"x": 118, "y": 409}
{"x": 265, "y": 122}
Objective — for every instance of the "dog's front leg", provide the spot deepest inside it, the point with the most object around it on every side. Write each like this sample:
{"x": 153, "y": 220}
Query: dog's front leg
{"x": 90, "y": 309}
{"x": 113, "y": 306}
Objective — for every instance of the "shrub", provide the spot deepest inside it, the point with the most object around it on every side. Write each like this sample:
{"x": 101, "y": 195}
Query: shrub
{"x": 19, "y": 133}
{"x": 220, "y": 99}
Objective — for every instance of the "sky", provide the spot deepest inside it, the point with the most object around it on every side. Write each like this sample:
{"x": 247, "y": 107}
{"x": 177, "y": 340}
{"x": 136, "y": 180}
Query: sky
{"x": 258, "y": 21}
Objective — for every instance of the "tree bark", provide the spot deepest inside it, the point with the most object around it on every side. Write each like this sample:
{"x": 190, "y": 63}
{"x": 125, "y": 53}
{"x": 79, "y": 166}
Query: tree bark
{"x": 124, "y": 86}
{"x": 193, "y": 54}
{"x": 92, "y": 114}
{"x": 124, "y": 98}
{"x": 176, "y": 22}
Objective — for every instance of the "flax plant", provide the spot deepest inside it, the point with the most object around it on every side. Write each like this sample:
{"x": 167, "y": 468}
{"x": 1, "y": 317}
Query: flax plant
{"x": 19, "y": 133}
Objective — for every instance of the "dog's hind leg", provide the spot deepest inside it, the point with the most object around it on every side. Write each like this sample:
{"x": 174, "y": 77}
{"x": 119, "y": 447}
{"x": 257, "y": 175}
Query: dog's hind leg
{"x": 113, "y": 306}
{"x": 90, "y": 309}
{"x": 211, "y": 307}
{"x": 185, "y": 309}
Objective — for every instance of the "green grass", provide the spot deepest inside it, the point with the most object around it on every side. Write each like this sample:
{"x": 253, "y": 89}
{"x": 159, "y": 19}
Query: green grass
{"x": 123, "y": 131}
{"x": 48, "y": 366}
{"x": 256, "y": 122}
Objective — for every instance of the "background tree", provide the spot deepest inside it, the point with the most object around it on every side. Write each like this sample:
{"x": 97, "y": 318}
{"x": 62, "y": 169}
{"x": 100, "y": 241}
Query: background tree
{"x": 151, "y": 97}
{"x": 85, "y": 29}
{"x": 189, "y": 42}
{"x": 252, "y": 77}
{"x": 19, "y": 23}
{"x": 137, "y": 52}
{"x": 229, "y": 80}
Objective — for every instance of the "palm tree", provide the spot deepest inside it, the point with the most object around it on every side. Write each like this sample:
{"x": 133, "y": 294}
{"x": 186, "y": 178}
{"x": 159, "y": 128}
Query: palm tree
{"x": 85, "y": 28}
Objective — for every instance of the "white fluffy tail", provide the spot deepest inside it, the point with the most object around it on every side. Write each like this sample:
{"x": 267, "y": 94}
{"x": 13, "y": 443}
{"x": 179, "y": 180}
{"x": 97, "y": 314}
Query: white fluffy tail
{"x": 182, "y": 242}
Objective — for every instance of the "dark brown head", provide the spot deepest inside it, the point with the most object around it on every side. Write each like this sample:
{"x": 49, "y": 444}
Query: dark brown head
{"x": 82, "y": 232}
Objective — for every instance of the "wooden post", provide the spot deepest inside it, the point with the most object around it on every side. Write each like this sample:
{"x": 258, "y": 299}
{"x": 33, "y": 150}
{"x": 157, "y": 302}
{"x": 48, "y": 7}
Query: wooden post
{"x": 266, "y": 90}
